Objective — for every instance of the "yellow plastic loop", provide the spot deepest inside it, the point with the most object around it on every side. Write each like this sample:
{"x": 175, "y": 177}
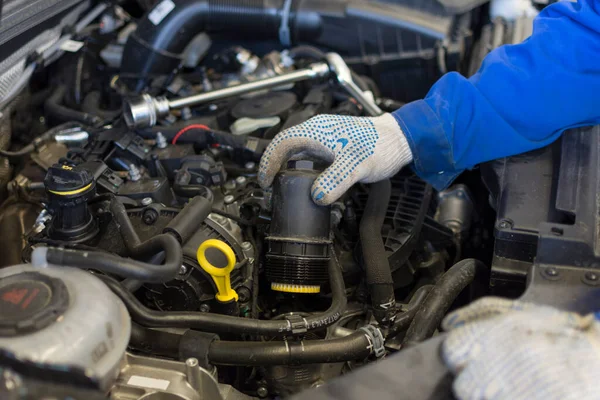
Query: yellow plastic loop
{"x": 221, "y": 276}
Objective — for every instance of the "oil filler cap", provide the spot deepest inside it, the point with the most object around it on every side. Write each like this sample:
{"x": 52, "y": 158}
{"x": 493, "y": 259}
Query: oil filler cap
{"x": 66, "y": 180}
{"x": 30, "y": 302}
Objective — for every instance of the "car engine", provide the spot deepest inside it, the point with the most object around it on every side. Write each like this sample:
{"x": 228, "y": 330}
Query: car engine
{"x": 141, "y": 259}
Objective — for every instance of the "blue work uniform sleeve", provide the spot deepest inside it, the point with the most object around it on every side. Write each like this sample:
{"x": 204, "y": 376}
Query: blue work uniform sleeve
{"x": 523, "y": 97}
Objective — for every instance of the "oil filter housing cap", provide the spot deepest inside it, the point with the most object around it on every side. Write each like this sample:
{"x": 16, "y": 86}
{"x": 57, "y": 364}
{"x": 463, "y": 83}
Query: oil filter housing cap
{"x": 299, "y": 238}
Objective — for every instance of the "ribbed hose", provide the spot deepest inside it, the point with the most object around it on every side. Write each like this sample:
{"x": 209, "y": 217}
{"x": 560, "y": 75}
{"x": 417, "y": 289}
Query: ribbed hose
{"x": 155, "y": 47}
{"x": 356, "y": 346}
{"x": 377, "y": 267}
{"x": 224, "y": 324}
{"x": 440, "y": 298}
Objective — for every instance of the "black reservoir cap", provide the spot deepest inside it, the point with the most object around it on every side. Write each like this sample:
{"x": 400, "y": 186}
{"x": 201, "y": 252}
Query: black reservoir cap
{"x": 29, "y": 302}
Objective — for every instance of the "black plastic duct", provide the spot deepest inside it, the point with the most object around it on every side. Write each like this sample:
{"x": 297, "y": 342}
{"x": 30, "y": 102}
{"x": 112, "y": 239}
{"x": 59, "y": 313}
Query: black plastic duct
{"x": 163, "y": 33}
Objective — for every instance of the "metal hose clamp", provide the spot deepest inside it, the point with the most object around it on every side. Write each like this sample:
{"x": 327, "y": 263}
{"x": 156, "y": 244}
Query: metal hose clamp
{"x": 375, "y": 339}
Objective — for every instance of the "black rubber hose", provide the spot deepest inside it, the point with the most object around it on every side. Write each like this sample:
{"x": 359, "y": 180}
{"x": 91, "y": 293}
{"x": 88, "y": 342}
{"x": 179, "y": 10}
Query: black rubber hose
{"x": 356, "y": 346}
{"x": 54, "y": 107}
{"x": 224, "y": 324}
{"x": 403, "y": 321}
{"x": 440, "y": 298}
{"x": 125, "y": 267}
{"x": 156, "y": 45}
{"x": 377, "y": 267}
{"x": 189, "y": 219}
{"x": 157, "y": 343}
{"x": 190, "y": 191}
{"x": 91, "y": 105}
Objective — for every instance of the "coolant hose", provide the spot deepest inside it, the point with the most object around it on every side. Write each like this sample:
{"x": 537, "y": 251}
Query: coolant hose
{"x": 403, "y": 321}
{"x": 356, "y": 346}
{"x": 377, "y": 267}
{"x": 161, "y": 36}
{"x": 225, "y": 324}
{"x": 440, "y": 298}
{"x": 120, "y": 266}
{"x": 54, "y": 107}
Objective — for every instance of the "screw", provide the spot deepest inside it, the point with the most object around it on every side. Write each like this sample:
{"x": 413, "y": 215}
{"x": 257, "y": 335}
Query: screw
{"x": 551, "y": 271}
{"x": 146, "y": 201}
{"x": 240, "y": 180}
{"x": 250, "y": 165}
{"x": 182, "y": 270}
{"x": 229, "y": 199}
{"x": 161, "y": 140}
{"x": 591, "y": 276}
{"x": 204, "y": 308}
{"x": 134, "y": 173}
{"x": 246, "y": 246}
{"x": 262, "y": 392}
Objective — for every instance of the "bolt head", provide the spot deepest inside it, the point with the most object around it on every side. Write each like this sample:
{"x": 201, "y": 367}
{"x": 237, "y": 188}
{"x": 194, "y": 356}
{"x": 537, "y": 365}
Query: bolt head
{"x": 262, "y": 391}
{"x": 250, "y": 165}
{"x": 146, "y": 201}
{"x": 182, "y": 270}
{"x": 247, "y": 246}
{"x": 191, "y": 362}
{"x": 240, "y": 180}
{"x": 229, "y": 199}
{"x": 551, "y": 271}
{"x": 591, "y": 276}
{"x": 204, "y": 308}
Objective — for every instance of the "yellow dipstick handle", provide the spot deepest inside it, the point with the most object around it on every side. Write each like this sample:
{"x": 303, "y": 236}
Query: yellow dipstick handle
{"x": 221, "y": 276}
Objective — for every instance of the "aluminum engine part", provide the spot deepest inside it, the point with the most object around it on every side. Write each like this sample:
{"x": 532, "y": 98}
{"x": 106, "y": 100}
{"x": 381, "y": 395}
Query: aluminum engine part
{"x": 158, "y": 379}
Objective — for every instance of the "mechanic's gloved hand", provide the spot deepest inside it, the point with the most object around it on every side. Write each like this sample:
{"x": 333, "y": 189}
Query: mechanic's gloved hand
{"x": 504, "y": 349}
{"x": 361, "y": 150}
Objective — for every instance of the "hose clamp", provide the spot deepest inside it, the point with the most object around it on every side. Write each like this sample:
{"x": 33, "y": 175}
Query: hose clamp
{"x": 297, "y": 324}
{"x": 376, "y": 340}
{"x": 284, "y": 30}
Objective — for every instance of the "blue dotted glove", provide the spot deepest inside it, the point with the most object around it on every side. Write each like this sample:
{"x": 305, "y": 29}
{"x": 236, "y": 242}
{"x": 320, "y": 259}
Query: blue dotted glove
{"x": 360, "y": 149}
{"x": 503, "y": 349}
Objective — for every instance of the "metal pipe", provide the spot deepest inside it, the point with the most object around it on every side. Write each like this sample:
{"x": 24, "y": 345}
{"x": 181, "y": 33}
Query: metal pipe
{"x": 344, "y": 77}
{"x": 145, "y": 111}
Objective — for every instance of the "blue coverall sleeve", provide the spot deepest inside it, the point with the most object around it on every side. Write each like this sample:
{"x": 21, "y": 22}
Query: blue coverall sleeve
{"x": 523, "y": 97}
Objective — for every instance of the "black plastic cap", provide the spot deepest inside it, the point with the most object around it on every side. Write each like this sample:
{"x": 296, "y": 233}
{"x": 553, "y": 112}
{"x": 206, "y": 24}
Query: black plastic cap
{"x": 29, "y": 302}
{"x": 65, "y": 179}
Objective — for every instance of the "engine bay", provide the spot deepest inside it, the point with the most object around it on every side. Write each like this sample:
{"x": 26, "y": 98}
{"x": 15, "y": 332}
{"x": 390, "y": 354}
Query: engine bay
{"x": 141, "y": 259}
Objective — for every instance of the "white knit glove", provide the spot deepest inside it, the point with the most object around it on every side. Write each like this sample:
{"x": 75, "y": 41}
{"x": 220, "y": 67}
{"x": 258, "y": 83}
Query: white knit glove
{"x": 504, "y": 349}
{"x": 360, "y": 149}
